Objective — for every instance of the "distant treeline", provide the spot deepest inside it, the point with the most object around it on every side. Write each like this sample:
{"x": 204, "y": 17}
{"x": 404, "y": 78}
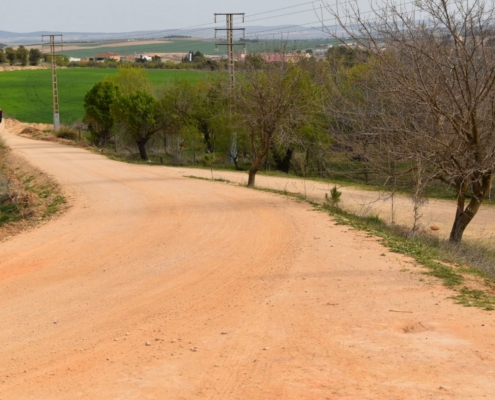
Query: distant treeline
{"x": 22, "y": 56}
{"x": 196, "y": 61}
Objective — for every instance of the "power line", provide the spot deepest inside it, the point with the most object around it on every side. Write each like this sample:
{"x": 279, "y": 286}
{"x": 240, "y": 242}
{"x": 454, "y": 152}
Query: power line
{"x": 249, "y": 15}
{"x": 207, "y": 26}
{"x": 274, "y": 31}
{"x": 281, "y": 15}
{"x": 266, "y": 32}
{"x": 284, "y": 8}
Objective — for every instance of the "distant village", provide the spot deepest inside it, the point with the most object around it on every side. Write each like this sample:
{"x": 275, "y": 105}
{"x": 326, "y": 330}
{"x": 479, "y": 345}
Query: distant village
{"x": 289, "y": 56}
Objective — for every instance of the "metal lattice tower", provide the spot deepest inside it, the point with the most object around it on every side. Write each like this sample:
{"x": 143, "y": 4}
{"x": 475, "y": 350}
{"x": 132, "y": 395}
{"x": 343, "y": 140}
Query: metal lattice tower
{"x": 230, "y": 41}
{"x": 56, "y": 108}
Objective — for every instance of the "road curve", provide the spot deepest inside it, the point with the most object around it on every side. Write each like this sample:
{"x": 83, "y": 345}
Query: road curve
{"x": 156, "y": 286}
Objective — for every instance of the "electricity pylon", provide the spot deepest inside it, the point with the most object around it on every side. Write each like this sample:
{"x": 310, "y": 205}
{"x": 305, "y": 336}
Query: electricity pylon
{"x": 56, "y": 108}
{"x": 230, "y": 41}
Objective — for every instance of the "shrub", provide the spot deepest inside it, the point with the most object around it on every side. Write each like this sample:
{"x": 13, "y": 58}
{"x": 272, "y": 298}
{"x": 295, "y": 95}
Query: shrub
{"x": 334, "y": 199}
{"x": 67, "y": 133}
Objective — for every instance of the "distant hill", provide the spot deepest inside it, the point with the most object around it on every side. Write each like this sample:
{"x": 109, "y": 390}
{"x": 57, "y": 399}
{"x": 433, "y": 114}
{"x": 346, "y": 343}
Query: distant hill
{"x": 35, "y": 37}
{"x": 285, "y": 32}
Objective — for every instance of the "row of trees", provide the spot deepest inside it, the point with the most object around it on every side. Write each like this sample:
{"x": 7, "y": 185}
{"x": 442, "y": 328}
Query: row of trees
{"x": 20, "y": 55}
{"x": 413, "y": 101}
{"x": 269, "y": 110}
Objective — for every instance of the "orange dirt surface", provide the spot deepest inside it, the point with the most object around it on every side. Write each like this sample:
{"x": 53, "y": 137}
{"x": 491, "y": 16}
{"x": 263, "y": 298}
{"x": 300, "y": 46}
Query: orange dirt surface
{"x": 156, "y": 286}
{"x": 435, "y": 212}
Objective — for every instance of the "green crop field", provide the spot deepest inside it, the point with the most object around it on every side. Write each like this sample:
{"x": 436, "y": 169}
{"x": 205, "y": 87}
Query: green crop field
{"x": 186, "y": 45}
{"x": 27, "y": 95}
{"x": 173, "y": 46}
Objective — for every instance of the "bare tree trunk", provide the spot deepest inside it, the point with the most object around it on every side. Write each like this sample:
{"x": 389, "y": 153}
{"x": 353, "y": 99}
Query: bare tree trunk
{"x": 462, "y": 220}
{"x": 258, "y": 158}
{"x": 366, "y": 173}
{"x": 430, "y": 92}
{"x": 463, "y": 216}
{"x": 255, "y": 167}
{"x": 207, "y": 140}
{"x": 258, "y": 162}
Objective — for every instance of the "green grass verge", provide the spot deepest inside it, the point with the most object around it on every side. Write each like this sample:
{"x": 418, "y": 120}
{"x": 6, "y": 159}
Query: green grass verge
{"x": 415, "y": 247}
{"x": 9, "y": 213}
{"x": 173, "y": 46}
{"x": 438, "y": 257}
{"x": 53, "y": 207}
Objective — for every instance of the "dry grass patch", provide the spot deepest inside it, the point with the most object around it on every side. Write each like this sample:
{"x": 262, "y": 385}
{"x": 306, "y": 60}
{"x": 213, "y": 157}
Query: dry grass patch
{"x": 27, "y": 196}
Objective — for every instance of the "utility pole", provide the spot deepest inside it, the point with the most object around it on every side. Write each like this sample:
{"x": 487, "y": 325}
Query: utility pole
{"x": 233, "y": 154}
{"x": 230, "y": 41}
{"x": 56, "y": 109}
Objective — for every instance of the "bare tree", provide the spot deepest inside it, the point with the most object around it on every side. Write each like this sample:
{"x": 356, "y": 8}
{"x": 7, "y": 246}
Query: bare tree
{"x": 434, "y": 64}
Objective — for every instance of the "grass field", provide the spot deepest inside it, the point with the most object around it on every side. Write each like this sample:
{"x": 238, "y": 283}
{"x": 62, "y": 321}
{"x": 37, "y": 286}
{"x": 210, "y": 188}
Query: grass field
{"x": 175, "y": 46}
{"x": 186, "y": 45}
{"x": 27, "y": 95}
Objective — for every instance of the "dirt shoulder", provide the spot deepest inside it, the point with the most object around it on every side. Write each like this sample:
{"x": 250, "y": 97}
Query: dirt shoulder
{"x": 155, "y": 286}
{"x": 29, "y": 198}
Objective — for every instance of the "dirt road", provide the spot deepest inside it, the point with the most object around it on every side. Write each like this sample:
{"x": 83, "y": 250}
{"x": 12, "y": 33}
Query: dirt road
{"x": 369, "y": 202}
{"x": 155, "y": 286}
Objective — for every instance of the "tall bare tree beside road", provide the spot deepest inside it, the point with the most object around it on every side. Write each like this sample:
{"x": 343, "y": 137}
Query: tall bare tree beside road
{"x": 434, "y": 66}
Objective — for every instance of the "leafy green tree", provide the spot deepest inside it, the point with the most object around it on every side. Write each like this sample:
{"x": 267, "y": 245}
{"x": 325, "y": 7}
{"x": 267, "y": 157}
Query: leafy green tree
{"x": 200, "y": 106}
{"x": 130, "y": 79}
{"x": 313, "y": 140}
{"x": 21, "y": 55}
{"x": 10, "y": 55}
{"x": 273, "y": 104}
{"x": 97, "y": 105}
{"x": 253, "y": 61}
{"x": 343, "y": 56}
{"x": 192, "y": 139}
{"x": 34, "y": 56}
{"x": 139, "y": 115}
{"x": 2, "y": 57}
{"x": 199, "y": 58}
{"x": 60, "y": 60}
